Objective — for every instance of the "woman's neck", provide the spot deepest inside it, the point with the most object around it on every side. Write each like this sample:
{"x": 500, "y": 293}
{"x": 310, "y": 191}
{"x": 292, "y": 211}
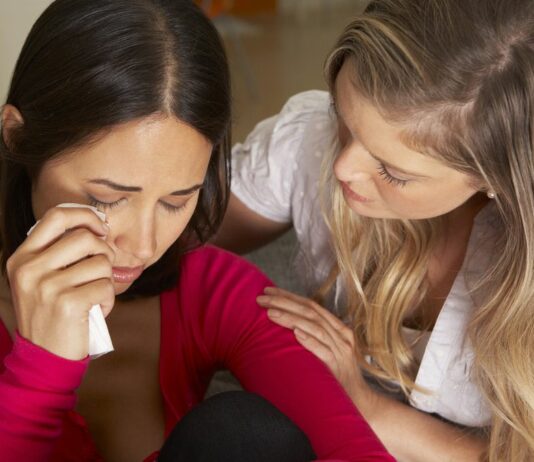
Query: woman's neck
{"x": 7, "y": 314}
{"x": 464, "y": 215}
{"x": 446, "y": 261}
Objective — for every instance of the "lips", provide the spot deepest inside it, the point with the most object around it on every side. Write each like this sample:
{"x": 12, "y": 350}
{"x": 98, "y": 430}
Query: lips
{"x": 126, "y": 275}
{"x": 352, "y": 195}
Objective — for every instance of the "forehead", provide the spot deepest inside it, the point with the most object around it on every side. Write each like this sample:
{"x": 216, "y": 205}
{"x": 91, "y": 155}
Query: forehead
{"x": 147, "y": 152}
{"x": 380, "y": 136}
{"x": 353, "y": 107}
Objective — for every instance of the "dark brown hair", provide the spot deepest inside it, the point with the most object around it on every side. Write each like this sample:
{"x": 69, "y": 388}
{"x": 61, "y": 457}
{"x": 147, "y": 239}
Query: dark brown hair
{"x": 88, "y": 66}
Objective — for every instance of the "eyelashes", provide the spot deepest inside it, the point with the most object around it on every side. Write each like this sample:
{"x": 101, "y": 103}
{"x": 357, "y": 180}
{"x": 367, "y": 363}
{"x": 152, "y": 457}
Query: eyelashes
{"x": 382, "y": 171}
{"x": 172, "y": 208}
{"x": 103, "y": 205}
{"x": 111, "y": 205}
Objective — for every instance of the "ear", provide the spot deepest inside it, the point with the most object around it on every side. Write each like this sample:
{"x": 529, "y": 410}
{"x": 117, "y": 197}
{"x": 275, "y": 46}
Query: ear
{"x": 478, "y": 184}
{"x": 11, "y": 118}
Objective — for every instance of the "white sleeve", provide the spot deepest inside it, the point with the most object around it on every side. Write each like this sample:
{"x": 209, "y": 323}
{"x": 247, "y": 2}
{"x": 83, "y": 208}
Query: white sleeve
{"x": 265, "y": 166}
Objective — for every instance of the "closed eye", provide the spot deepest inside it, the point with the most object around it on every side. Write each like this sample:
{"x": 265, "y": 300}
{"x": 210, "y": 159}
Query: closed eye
{"x": 173, "y": 208}
{"x": 104, "y": 205}
{"x": 383, "y": 172}
{"x": 110, "y": 205}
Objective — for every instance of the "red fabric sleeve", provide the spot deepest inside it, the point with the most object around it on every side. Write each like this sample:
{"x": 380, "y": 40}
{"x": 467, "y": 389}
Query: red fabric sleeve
{"x": 218, "y": 294}
{"x": 36, "y": 390}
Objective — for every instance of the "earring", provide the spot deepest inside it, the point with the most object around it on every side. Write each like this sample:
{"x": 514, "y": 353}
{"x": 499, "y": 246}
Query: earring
{"x": 491, "y": 195}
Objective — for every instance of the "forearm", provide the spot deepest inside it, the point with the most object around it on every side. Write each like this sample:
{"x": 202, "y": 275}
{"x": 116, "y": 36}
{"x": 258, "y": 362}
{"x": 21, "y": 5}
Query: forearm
{"x": 414, "y": 436}
{"x": 36, "y": 389}
{"x": 244, "y": 230}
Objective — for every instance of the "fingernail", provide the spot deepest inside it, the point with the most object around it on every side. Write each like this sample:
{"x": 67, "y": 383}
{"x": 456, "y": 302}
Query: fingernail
{"x": 262, "y": 299}
{"x": 106, "y": 228}
{"x": 274, "y": 313}
{"x": 269, "y": 290}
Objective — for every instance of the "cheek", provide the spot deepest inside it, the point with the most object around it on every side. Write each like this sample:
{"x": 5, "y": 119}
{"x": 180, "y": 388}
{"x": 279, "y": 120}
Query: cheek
{"x": 424, "y": 201}
{"x": 395, "y": 198}
{"x": 172, "y": 228}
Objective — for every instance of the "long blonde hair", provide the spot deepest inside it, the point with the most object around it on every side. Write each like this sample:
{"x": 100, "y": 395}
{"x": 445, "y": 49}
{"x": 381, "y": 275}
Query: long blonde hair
{"x": 459, "y": 75}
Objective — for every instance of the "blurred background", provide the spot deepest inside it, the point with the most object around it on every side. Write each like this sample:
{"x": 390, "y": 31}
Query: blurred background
{"x": 276, "y": 49}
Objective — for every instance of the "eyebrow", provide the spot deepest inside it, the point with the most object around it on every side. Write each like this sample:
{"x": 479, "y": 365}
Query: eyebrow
{"x": 123, "y": 188}
{"x": 335, "y": 107}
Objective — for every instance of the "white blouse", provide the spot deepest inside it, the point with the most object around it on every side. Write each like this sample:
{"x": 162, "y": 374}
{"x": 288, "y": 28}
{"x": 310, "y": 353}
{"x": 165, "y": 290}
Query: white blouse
{"x": 276, "y": 173}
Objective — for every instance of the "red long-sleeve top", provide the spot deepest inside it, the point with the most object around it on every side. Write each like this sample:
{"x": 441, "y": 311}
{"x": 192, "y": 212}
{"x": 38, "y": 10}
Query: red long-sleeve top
{"x": 209, "y": 320}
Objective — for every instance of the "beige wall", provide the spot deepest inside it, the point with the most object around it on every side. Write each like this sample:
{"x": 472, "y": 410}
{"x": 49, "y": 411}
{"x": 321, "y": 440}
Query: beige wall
{"x": 16, "y": 19}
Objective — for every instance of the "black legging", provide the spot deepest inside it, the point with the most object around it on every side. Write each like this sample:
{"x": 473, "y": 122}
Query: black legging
{"x": 236, "y": 426}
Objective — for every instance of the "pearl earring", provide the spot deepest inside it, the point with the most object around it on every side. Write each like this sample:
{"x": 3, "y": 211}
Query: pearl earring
{"x": 491, "y": 195}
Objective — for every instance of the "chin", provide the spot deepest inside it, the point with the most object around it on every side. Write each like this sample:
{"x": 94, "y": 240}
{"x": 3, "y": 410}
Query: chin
{"x": 121, "y": 287}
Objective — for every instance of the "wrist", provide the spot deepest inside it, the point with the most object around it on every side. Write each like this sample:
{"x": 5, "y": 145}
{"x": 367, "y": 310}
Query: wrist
{"x": 368, "y": 402}
{"x": 40, "y": 369}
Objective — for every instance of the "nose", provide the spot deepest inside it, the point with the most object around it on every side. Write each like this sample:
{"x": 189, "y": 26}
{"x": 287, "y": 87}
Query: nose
{"x": 137, "y": 236}
{"x": 353, "y": 164}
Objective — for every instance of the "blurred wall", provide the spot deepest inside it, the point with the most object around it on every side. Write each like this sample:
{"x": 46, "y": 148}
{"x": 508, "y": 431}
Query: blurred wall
{"x": 246, "y": 7}
{"x": 16, "y": 19}
{"x": 304, "y": 9}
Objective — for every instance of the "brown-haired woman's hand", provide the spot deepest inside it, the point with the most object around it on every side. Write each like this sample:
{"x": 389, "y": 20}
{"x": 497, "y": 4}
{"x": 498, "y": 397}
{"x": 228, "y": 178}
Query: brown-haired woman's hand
{"x": 324, "y": 335}
{"x": 57, "y": 274}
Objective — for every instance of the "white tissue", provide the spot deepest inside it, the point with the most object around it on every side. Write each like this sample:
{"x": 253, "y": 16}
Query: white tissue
{"x": 99, "y": 339}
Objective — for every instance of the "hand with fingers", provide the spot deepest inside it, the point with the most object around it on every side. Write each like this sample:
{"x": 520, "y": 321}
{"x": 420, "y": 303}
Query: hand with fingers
{"x": 323, "y": 334}
{"x": 57, "y": 274}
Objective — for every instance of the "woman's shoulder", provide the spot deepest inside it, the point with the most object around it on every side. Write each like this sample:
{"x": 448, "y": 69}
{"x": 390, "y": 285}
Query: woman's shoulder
{"x": 207, "y": 255}
{"x": 281, "y": 158}
{"x": 212, "y": 281}
{"x": 309, "y": 109}
{"x": 209, "y": 263}
{"x": 308, "y": 112}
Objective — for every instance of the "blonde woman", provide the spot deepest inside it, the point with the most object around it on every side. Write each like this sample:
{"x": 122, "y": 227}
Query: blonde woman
{"x": 426, "y": 148}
